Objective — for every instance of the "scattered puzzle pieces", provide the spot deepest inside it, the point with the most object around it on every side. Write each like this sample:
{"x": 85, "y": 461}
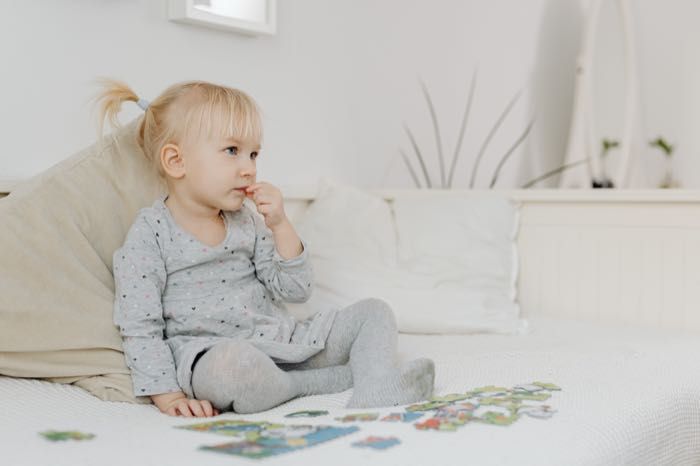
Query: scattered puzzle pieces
{"x": 264, "y": 439}
{"x": 378, "y": 443}
{"x": 489, "y": 405}
{"x": 62, "y": 435}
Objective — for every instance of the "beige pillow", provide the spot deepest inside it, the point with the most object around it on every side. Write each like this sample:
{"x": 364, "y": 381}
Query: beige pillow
{"x": 57, "y": 235}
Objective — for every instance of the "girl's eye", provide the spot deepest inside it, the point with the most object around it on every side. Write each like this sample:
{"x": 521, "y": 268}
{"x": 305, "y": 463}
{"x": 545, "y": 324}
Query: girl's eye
{"x": 253, "y": 155}
{"x": 233, "y": 149}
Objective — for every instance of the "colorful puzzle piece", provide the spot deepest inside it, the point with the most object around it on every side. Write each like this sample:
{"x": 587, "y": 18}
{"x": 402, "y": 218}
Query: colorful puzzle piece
{"x": 547, "y": 386}
{"x": 61, "y": 435}
{"x": 402, "y": 417}
{"x": 539, "y": 412}
{"x": 310, "y": 413}
{"x": 360, "y": 417}
{"x": 378, "y": 443}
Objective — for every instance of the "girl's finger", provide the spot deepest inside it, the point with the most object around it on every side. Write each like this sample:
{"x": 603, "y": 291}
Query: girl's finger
{"x": 206, "y": 406}
{"x": 264, "y": 208}
{"x": 196, "y": 408}
{"x": 263, "y": 199}
{"x": 184, "y": 409}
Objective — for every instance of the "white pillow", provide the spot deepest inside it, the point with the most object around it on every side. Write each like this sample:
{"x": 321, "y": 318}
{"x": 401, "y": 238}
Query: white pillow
{"x": 454, "y": 239}
{"x": 349, "y": 232}
{"x": 464, "y": 247}
{"x": 432, "y": 286}
{"x": 348, "y": 222}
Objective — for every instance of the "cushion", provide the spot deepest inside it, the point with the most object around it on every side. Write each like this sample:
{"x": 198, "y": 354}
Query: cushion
{"x": 350, "y": 234}
{"x": 59, "y": 230}
{"x": 357, "y": 222}
{"x": 445, "y": 262}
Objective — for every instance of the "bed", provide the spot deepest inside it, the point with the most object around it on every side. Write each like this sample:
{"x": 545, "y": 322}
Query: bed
{"x": 609, "y": 284}
{"x": 628, "y": 396}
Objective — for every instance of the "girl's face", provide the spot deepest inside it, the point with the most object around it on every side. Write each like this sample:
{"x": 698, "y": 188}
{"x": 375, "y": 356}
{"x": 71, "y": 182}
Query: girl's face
{"x": 218, "y": 169}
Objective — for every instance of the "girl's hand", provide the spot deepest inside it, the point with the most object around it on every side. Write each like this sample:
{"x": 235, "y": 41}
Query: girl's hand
{"x": 268, "y": 200}
{"x": 192, "y": 408}
{"x": 177, "y": 404}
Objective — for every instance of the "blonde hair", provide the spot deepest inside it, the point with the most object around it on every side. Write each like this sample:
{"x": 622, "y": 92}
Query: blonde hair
{"x": 184, "y": 110}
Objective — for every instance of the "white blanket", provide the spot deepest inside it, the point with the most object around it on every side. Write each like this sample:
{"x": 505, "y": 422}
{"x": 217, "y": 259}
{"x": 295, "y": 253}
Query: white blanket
{"x": 628, "y": 396}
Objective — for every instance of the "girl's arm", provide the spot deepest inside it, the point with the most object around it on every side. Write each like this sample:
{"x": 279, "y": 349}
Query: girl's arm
{"x": 287, "y": 242}
{"x": 287, "y": 279}
{"x": 269, "y": 203}
{"x": 139, "y": 278}
{"x": 280, "y": 256}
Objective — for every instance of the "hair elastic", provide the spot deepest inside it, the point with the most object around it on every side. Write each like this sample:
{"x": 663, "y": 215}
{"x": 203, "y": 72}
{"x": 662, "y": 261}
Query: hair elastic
{"x": 143, "y": 103}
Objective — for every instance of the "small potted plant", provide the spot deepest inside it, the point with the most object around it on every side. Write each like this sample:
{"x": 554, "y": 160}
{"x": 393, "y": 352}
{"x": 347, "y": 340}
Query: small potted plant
{"x": 667, "y": 181}
{"x": 604, "y": 181}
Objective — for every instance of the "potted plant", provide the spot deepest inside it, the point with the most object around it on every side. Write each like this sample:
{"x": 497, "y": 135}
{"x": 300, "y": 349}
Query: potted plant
{"x": 667, "y": 149}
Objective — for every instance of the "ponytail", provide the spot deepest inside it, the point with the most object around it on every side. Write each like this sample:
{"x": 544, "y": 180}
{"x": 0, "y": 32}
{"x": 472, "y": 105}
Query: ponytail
{"x": 109, "y": 100}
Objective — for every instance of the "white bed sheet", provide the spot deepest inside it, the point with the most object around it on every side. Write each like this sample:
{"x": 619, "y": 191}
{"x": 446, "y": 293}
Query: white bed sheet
{"x": 629, "y": 396}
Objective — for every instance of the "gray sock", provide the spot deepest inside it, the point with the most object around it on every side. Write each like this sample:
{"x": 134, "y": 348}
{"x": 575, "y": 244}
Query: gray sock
{"x": 365, "y": 334}
{"x": 235, "y": 376}
{"x": 407, "y": 384}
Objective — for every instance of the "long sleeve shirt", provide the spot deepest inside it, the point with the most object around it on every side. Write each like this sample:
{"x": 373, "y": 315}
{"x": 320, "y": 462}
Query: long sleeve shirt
{"x": 176, "y": 296}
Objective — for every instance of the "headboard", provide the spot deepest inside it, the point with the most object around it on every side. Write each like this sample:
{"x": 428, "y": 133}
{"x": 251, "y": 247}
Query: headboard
{"x": 607, "y": 256}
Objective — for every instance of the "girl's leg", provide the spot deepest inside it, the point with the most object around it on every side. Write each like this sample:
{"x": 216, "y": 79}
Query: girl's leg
{"x": 365, "y": 334}
{"x": 238, "y": 377}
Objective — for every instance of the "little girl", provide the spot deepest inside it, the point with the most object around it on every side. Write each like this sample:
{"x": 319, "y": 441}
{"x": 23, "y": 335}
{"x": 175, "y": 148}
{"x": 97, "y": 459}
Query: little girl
{"x": 201, "y": 278}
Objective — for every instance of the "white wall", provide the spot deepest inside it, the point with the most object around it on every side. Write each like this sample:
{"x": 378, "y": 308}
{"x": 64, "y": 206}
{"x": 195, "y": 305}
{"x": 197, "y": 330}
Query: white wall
{"x": 668, "y": 47}
{"x": 336, "y": 82}
{"x": 669, "y": 38}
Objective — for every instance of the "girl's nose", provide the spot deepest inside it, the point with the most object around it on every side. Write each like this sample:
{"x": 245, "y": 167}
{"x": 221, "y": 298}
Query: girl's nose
{"x": 248, "y": 171}
{"x": 246, "y": 167}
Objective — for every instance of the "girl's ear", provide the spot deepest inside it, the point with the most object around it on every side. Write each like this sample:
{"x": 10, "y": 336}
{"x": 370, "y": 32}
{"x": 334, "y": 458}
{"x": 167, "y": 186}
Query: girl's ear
{"x": 171, "y": 160}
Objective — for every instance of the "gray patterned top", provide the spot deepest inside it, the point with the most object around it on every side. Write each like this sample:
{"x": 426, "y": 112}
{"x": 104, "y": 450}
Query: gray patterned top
{"x": 175, "y": 296}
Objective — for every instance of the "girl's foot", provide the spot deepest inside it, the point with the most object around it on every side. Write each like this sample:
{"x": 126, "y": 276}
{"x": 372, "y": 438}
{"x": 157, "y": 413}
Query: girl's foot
{"x": 410, "y": 383}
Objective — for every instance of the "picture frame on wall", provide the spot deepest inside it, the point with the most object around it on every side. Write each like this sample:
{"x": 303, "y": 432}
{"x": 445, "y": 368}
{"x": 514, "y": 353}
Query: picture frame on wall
{"x": 250, "y": 17}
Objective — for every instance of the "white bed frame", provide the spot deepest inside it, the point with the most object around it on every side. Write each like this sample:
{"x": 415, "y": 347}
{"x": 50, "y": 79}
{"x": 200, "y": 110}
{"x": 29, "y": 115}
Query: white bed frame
{"x": 607, "y": 256}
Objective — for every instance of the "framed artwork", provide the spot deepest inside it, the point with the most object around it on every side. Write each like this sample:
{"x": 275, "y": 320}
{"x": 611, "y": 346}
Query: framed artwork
{"x": 251, "y": 17}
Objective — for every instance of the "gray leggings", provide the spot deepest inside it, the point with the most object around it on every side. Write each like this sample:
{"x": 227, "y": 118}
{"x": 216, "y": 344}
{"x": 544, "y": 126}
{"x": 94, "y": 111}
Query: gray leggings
{"x": 360, "y": 350}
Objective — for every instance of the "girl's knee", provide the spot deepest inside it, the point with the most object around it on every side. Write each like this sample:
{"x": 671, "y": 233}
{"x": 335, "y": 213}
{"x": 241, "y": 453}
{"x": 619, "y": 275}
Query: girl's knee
{"x": 230, "y": 372}
{"x": 228, "y": 349}
{"x": 377, "y": 309}
{"x": 237, "y": 355}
